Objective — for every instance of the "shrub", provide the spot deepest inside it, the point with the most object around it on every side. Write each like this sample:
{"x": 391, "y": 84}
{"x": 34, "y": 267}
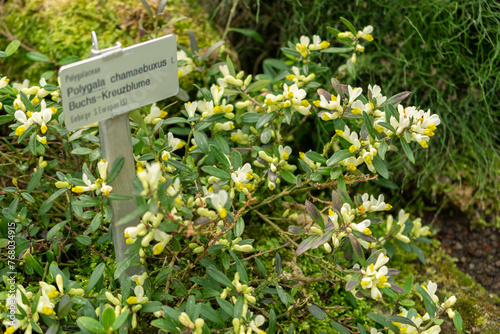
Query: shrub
{"x": 207, "y": 203}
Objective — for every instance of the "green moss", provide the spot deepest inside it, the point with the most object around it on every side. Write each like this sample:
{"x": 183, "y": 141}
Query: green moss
{"x": 476, "y": 306}
{"x": 59, "y": 29}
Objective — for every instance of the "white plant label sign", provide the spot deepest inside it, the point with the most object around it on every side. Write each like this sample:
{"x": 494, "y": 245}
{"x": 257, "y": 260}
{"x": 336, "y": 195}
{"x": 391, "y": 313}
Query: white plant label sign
{"x": 118, "y": 81}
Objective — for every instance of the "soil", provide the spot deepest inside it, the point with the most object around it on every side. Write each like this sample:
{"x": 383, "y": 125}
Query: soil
{"x": 477, "y": 251}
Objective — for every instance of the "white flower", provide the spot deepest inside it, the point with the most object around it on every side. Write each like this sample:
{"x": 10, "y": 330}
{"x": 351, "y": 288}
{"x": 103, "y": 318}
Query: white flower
{"x": 219, "y": 201}
{"x": 431, "y": 289}
{"x": 4, "y": 82}
{"x": 149, "y": 177}
{"x": 302, "y": 46}
{"x": 20, "y": 116}
{"x": 318, "y": 44}
{"x": 42, "y": 117}
{"x": 370, "y": 204}
{"x": 362, "y": 227}
{"x": 242, "y": 176}
{"x": 366, "y": 33}
{"x": 354, "y": 93}
{"x": 45, "y": 306}
{"x": 376, "y": 92}
{"x": 174, "y": 143}
{"x": 155, "y": 115}
{"x": 191, "y": 108}
{"x": 185, "y": 64}
{"x": 217, "y": 93}
{"x": 284, "y": 152}
{"x": 256, "y": 323}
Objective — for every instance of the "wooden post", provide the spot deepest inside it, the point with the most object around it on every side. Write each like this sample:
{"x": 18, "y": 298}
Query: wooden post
{"x": 116, "y": 142}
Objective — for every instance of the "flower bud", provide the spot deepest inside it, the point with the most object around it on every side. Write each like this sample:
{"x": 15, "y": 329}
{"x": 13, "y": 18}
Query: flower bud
{"x": 61, "y": 184}
{"x": 111, "y": 298}
{"x": 60, "y": 283}
{"x": 76, "y": 292}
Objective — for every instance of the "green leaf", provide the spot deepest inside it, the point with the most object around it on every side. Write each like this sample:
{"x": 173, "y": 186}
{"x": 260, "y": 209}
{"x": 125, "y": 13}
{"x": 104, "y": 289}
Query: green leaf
{"x": 333, "y": 31}
{"x": 208, "y": 313}
{"x": 230, "y": 66}
{"x": 202, "y": 141}
{"x": 96, "y": 222}
{"x": 315, "y": 214}
{"x": 121, "y": 320}
{"x": 84, "y": 239}
{"x": 117, "y": 167}
{"x": 248, "y": 32}
{"x": 351, "y": 69}
{"x": 165, "y": 324}
{"x": 341, "y": 329}
{"x": 219, "y": 155}
{"x": 250, "y": 117}
{"x": 281, "y": 294}
{"x": 316, "y": 311}
{"x": 278, "y": 264}
{"x": 381, "y": 320}
{"x": 316, "y": 157}
{"x": 91, "y": 324}
{"x": 217, "y": 172}
{"x": 419, "y": 253}
{"x": 368, "y": 122}
{"x": 288, "y": 176}
{"x": 219, "y": 277}
{"x": 407, "y": 285}
{"x": 257, "y": 85}
{"x": 124, "y": 265}
{"x": 148, "y": 8}
{"x": 407, "y": 150}
{"x": 380, "y": 166}
{"x": 236, "y": 159}
{"x": 27, "y": 103}
{"x": 68, "y": 60}
{"x": 97, "y": 274}
{"x": 264, "y": 119}
{"x": 48, "y": 203}
{"x": 12, "y": 48}
{"x": 6, "y": 119}
{"x": 338, "y": 50}
{"x": 108, "y": 317}
{"x": 35, "y": 180}
{"x": 225, "y": 305}
{"x": 400, "y": 319}
{"x": 34, "y": 264}
{"x": 136, "y": 116}
{"x": 37, "y": 57}
{"x": 457, "y": 321}
{"x": 81, "y": 151}
{"x": 221, "y": 143}
{"x": 338, "y": 156}
{"x": 387, "y": 126}
{"x": 430, "y": 307}
{"x": 211, "y": 49}
{"x": 272, "y": 322}
{"x": 348, "y": 25}
{"x": 353, "y": 282}
{"x": 382, "y": 149}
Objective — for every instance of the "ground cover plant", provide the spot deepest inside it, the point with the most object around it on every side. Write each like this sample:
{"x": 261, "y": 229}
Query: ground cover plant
{"x": 445, "y": 52}
{"x": 222, "y": 192}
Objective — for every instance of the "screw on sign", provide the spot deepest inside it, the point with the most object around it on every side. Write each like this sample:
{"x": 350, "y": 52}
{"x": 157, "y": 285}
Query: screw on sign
{"x": 104, "y": 88}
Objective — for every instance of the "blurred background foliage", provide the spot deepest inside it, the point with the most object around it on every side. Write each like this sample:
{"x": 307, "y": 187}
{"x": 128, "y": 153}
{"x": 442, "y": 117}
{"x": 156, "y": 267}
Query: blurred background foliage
{"x": 446, "y": 52}
{"x": 60, "y": 30}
